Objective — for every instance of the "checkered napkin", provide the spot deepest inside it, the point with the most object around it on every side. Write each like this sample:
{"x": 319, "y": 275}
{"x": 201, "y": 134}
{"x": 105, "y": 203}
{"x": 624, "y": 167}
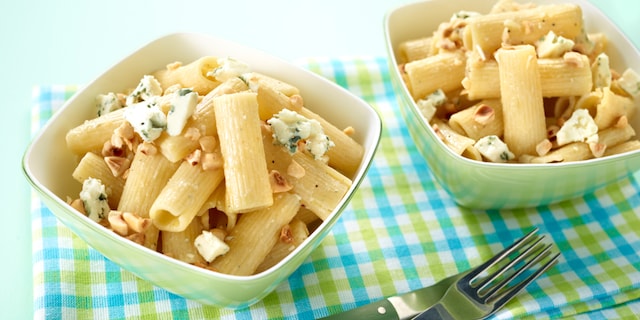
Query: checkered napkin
{"x": 400, "y": 232}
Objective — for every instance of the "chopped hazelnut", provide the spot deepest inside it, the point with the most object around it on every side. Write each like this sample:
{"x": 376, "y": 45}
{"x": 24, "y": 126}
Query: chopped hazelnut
{"x": 117, "y": 165}
{"x": 483, "y": 114}
{"x": 597, "y": 149}
{"x": 117, "y": 223}
{"x": 136, "y": 222}
{"x": 544, "y": 147}
{"x": 147, "y": 149}
{"x": 194, "y": 157}
{"x": 78, "y": 205}
{"x": 286, "y": 235}
{"x": 278, "y": 182}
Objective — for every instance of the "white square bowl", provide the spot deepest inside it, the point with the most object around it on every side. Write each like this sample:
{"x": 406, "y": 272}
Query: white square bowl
{"x": 485, "y": 185}
{"x": 48, "y": 166}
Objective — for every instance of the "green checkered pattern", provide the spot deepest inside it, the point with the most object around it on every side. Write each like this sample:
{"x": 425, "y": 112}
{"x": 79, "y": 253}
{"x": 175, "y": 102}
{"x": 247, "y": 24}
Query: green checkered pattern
{"x": 400, "y": 232}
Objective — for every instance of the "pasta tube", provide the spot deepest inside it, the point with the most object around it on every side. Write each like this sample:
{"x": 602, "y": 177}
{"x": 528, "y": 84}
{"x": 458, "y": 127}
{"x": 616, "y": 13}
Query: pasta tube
{"x": 192, "y": 75}
{"x": 569, "y": 76}
{"x": 480, "y": 120}
{"x": 148, "y": 174}
{"x": 522, "y": 103}
{"x": 245, "y": 170}
{"x": 251, "y": 240}
{"x": 92, "y": 134}
{"x": 291, "y": 237}
{"x": 454, "y": 140}
{"x": 485, "y": 34}
{"x": 183, "y": 196}
{"x": 272, "y": 101}
{"x": 320, "y": 187}
{"x": 414, "y": 49}
{"x": 449, "y": 68}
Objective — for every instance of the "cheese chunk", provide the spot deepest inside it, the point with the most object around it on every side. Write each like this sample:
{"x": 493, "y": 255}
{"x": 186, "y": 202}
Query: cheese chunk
{"x": 183, "y": 105}
{"x": 289, "y": 128}
{"x": 209, "y": 246}
{"x": 601, "y": 72}
{"x": 579, "y": 128}
{"x": 429, "y": 105}
{"x": 553, "y": 46}
{"x": 630, "y": 82}
{"x": 148, "y": 87}
{"x": 493, "y": 149}
{"x": 94, "y": 199}
{"x": 107, "y": 103}
{"x": 147, "y": 119}
{"x": 228, "y": 68}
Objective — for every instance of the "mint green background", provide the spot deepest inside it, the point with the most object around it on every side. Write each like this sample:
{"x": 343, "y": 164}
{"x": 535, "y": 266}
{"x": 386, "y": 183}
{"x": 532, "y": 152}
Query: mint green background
{"x": 72, "y": 42}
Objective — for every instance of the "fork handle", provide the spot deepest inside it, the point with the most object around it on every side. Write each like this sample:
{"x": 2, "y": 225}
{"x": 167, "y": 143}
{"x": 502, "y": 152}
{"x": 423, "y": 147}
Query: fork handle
{"x": 436, "y": 312}
{"x": 379, "y": 310}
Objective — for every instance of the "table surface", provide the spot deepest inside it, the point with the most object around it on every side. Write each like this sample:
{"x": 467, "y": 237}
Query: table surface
{"x": 68, "y": 42}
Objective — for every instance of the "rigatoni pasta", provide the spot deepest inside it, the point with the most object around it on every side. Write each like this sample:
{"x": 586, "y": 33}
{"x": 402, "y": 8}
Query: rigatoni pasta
{"x": 246, "y": 249}
{"x": 212, "y": 164}
{"x": 542, "y": 67}
{"x": 245, "y": 169}
{"x": 487, "y": 33}
{"x": 148, "y": 174}
{"x": 521, "y": 94}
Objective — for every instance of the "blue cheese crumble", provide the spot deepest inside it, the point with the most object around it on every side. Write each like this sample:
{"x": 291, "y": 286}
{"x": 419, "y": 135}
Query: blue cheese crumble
{"x": 553, "y": 46}
{"x": 630, "y": 82}
{"x": 94, "y": 199}
{"x": 107, "y": 103}
{"x": 429, "y": 105}
{"x": 493, "y": 149}
{"x": 209, "y": 246}
{"x": 579, "y": 128}
{"x": 182, "y": 107}
{"x": 228, "y": 68}
{"x": 289, "y": 128}
{"x": 147, "y": 119}
{"x": 148, "y": 87}
{"x": 601, "y": 72}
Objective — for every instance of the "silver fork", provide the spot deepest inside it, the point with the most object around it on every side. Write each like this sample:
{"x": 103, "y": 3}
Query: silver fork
{"x": 484, "y": 290}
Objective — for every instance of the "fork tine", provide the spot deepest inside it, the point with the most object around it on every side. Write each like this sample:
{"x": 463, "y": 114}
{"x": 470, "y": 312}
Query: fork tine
{"x": 535, "y": 248}
{"x": 514, "y": 290}
{"x": 509, "y": 266}
{"x": 498, "y": 257}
